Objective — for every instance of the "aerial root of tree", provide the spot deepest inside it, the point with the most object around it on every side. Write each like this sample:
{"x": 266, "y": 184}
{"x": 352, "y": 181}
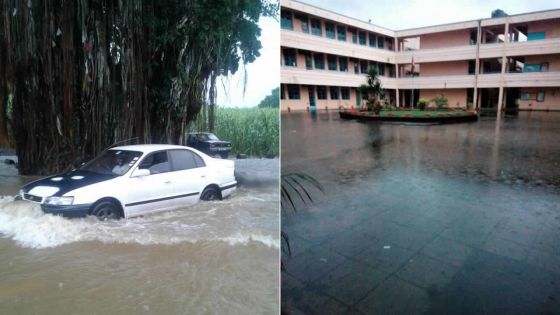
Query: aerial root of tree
{"x": 78, "y": 76}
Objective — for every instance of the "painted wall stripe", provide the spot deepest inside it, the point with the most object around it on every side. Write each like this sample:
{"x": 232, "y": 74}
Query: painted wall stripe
{"x": 160, "y": 199}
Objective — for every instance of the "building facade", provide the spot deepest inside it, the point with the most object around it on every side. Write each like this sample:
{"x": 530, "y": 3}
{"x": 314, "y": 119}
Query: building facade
{"x": 496, "y": 64}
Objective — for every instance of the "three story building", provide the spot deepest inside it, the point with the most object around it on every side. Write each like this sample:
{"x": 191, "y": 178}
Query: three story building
{"x": 493, "y": 64}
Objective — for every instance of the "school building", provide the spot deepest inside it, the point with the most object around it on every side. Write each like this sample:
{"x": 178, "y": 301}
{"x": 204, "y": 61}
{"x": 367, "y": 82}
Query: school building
{"x": 494, "y": 64}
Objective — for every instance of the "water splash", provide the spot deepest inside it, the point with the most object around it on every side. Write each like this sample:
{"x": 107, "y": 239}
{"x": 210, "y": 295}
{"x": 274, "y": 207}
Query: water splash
{"x": 26, "y": 224}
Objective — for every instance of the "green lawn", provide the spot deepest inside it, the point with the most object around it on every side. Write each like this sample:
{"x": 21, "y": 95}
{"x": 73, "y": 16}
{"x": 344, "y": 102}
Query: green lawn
{"x": 420, "y": 113}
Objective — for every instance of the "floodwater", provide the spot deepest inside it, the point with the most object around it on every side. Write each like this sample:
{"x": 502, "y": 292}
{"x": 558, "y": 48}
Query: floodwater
{"x": 521, "y": 150}
{"x": 418, "y": 219}
{"x": 211, "y": 258}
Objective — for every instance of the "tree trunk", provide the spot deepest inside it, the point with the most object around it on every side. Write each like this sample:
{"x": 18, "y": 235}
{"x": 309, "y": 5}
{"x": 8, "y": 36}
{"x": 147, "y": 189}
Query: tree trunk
{"x": 87, "y": 74}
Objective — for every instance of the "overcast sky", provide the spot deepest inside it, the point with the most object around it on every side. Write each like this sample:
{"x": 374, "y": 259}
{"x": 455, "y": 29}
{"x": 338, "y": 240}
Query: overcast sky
{"x": 403, "y": 14}
{"x": 262, "y": 75}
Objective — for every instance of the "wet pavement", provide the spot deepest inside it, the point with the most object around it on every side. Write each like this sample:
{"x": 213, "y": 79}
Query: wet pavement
{"x": 451, "y": 219}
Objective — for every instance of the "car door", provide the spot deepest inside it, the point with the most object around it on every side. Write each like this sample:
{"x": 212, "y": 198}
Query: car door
{"x": 153, "y": 192}
{"x": 189, "y": 176}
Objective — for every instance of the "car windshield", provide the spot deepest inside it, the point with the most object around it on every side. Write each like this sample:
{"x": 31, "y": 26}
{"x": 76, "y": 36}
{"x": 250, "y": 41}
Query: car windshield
{"x": 112, "y": 162}
{"x": 211, "y": 136}
{"x": 207, "y": 136}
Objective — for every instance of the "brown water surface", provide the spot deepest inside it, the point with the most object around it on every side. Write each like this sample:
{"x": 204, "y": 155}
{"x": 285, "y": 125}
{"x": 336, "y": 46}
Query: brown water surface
{"x": 211, "y": 258}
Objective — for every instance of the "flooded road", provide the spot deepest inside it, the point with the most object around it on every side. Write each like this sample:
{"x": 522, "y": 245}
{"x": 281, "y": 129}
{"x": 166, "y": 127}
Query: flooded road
{"x": 211, "y": 258}
{"x": 441, "y": 219}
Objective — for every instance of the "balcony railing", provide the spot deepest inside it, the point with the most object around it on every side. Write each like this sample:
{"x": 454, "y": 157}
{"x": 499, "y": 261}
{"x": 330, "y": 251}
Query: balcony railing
{"x": 493, "y": 80}
{"x": 325, "y": 45}
{"x": 291, "y": 75}
{"x": 468, "y": 52}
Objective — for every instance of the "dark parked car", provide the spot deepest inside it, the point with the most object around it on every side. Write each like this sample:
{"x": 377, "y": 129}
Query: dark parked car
{"x": 208, "y": 143}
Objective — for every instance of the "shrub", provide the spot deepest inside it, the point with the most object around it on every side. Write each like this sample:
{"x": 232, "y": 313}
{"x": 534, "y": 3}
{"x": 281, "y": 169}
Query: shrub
{"x": 422, "y": 103}
{"x": 441, "y": 101}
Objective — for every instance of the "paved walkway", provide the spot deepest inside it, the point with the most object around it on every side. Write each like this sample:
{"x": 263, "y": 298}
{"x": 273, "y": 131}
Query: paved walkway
{"x": 478, "y": 248}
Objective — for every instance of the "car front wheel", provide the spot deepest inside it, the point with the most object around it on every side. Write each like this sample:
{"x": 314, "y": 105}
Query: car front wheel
{"x": 106, "y": 210}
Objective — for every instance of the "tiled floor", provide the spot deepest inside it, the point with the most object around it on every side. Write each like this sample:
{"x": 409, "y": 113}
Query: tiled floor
{"x": 414, "y": 259}
{"x": 424, "y": 220}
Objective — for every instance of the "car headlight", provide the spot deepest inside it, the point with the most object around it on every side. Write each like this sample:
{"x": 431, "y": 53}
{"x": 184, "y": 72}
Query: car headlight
{"x": 59, "y": 201}
{"x": 212, "y": 145}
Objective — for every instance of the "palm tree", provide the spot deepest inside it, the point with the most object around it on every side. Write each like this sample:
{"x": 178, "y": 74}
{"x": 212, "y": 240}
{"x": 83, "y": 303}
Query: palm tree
{"x": 295, "y": 187}
{"x": 373, "y": 90}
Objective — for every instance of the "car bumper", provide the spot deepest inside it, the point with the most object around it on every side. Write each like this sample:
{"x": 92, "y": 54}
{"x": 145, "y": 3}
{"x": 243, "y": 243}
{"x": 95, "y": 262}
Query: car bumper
{"x": 227, "y": 189}
{"x": 217, "y": 151}
{"x": 72, "y": 211}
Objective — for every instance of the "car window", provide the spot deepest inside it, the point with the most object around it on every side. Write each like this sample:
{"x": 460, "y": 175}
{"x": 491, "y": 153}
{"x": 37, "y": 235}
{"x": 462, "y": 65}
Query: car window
{"x": 198, "y": 160}
{"x": 156, "y": 162}
{"x": 185, "y": 159}
{"x": 211, "y": 136}
{"x": 113, "y": 162}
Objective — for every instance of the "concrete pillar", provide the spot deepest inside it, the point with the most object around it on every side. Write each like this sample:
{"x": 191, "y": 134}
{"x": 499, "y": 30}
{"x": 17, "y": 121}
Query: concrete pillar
{"x": 476, "y": 101}
{"x": 397, "y": 87}
{"x": 397, "y": 96}
{"x": 504, "y": 61}
{"x": 500, "y": 99}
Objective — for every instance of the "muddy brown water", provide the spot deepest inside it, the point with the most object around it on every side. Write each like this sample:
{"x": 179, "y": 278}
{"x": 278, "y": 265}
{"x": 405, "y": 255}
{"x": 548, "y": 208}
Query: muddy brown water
{"x": 211, "y": 258}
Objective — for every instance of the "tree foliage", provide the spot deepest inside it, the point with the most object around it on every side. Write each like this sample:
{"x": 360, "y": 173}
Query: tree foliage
{"x": 271, "y": 100}
{"x": 373, "y": 91}
{"x": 498, "y": 13}
{"x": 86, "y": 74}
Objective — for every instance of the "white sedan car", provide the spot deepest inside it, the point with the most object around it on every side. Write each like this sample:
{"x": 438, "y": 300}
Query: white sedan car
{"x": 134, "y": 180}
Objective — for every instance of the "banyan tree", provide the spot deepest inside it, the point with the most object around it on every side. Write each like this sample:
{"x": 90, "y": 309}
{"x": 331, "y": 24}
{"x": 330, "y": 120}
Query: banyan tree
{"x": 77, "y": 76}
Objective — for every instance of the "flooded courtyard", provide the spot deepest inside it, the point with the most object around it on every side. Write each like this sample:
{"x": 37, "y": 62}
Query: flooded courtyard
{"x": 441, "y": 219}
{"x": 211, "y": 258}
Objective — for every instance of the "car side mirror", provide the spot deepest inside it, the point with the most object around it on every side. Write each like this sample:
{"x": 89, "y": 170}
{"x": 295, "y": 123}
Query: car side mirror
{"x": 141, "y": 172}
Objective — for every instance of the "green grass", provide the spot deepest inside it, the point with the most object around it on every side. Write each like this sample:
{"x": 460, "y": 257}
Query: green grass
{"x": 253, "y": 131}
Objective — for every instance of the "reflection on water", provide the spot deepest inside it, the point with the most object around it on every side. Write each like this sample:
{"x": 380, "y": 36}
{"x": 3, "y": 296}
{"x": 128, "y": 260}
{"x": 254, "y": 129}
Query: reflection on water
{"x": 213, "y": 257}
{"x": 518, "y": 150}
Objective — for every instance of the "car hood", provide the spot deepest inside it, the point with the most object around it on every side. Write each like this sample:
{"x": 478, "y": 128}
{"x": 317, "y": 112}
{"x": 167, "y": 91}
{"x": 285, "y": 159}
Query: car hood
{"x": 58, "y": 185}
